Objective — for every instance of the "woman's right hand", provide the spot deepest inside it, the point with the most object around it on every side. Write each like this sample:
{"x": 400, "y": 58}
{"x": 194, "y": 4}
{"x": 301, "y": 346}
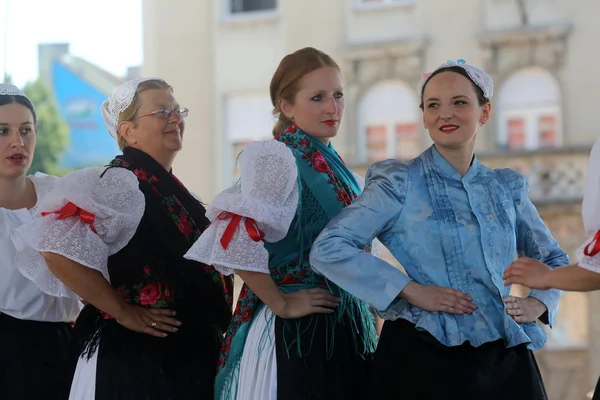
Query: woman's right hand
{"x": 151, "y": 321}
{"x": 305, "y": 302}
{"x": 437, "y": 298}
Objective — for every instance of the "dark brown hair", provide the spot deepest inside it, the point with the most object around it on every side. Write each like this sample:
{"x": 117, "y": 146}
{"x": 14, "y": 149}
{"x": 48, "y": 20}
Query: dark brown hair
{"x": 6, "y": 99}
{"x": 480, "y": 97}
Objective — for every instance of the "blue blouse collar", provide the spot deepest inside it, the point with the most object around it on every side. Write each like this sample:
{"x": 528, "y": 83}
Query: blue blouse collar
{"x": 447, "y": 169}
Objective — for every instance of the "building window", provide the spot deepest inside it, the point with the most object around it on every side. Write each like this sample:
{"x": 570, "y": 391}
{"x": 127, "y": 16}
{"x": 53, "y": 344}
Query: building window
{"x": 531, "y": 128}
{"x": 407, "y": 144}
{"x": 516, "y": 133}
{"x": 244, "y": 6}
{"x": 388, "y": 123}
{"x": 247, "y": 117}
{"x": 529, "y": 111}
{"x": 377, "y": 142}
{"x": 547, "y": 130}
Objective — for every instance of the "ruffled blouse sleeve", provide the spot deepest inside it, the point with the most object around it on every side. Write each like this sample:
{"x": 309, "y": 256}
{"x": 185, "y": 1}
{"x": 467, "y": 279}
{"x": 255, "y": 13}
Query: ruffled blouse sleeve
{"x": 588, "y": 255}
{"x": 376, "y": 245}
{"x": 89, "y": 215}
{"x": 261, "y": 207}
{"x": 43, "y": 184}
{"x": 338, "y": 252}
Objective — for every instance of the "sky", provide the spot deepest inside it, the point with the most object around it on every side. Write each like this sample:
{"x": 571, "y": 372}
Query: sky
{"x": 107, "y": 33}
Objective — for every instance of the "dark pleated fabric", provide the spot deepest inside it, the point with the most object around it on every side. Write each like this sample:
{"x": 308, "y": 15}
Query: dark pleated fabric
{"x": 37, "y": 359}
{"x": 318, "y": 374}
{"x": 412, "y": 364}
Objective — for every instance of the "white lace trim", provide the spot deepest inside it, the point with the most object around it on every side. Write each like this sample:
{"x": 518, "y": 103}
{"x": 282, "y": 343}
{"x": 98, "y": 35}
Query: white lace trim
{"x": 590, "y": 263}
{"x": 117, "y": 204}
{"x": 118, "y": 102}
{"x": 43, "y": 185}
{"x": 268, "y": 194}
{"x": 478, "y": 76}
{"x": 7, "y": 89}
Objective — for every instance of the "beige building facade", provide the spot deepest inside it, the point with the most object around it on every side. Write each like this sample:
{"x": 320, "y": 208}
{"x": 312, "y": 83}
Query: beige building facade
{"x": 220, "y": 55}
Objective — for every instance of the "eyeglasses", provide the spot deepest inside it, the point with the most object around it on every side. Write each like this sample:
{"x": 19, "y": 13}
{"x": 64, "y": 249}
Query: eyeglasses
{"x": 166, "y": 114}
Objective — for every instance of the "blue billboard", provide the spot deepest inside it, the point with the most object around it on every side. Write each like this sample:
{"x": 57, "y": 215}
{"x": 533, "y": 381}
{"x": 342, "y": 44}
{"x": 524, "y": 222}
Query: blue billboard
{"x": 79, "y": 105}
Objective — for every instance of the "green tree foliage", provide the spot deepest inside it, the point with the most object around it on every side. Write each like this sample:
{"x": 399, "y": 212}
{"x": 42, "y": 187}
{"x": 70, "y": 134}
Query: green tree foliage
{"x": 52, "y": 131}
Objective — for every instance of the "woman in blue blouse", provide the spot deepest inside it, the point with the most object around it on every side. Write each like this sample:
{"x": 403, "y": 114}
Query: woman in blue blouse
{"x": 452, "y": 329}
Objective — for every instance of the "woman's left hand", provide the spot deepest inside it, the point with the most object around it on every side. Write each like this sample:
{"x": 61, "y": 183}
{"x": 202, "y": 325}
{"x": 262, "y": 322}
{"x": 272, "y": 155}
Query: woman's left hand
{"x": 528, "y": 272}
{"x": 523, "y": 310}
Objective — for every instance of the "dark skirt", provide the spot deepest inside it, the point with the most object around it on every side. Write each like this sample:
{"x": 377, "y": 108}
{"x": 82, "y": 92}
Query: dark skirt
{"x": 412, "y": 364}
{"x": 136, "y": 366}
{"x": 317, "y": 366}
{"x": 37, "y": 359}
{"x": 597, "y": 391}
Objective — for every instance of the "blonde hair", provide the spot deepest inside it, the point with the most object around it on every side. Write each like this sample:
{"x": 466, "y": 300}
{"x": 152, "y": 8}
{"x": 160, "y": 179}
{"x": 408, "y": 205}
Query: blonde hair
{"x": 289, "y": 73}
{"x": 130, "y": 112}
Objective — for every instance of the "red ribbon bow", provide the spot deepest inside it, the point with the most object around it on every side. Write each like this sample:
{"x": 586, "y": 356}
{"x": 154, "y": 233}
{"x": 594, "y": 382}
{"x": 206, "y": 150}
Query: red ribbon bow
{"x": 71, "y": 210}
{"x": 595, "y": 249}
{"x": 251, "y": 227}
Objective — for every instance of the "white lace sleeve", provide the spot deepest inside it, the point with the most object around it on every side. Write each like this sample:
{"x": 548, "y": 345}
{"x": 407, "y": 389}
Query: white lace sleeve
{"x": 85, "y": 218}
{"x": 591, "y": 195}
{"x": 43, "y": 184}
{"x": 266, "y": 198}
{"x": 591, "y": 263}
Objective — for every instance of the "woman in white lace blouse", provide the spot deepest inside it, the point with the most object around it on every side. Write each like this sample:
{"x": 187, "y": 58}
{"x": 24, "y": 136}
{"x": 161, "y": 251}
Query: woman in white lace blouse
{"x": 37, "y": 345}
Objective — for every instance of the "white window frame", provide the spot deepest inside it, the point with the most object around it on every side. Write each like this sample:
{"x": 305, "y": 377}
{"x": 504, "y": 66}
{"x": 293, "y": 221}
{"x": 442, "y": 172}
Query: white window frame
{"x": 390, "y": 137}
{"x": 383, "y": 4}
{"x": 531, "y": 116}
{"x": 259, "y": 15}
{"x": 227, "y": 162}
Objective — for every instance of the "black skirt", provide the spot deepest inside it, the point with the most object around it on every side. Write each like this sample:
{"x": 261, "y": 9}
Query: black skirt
{"x": 136, "y": 366}
{"x": 412, "y": 365}
{"x": 37, "y": 359}
{"x": 330, "y": 368}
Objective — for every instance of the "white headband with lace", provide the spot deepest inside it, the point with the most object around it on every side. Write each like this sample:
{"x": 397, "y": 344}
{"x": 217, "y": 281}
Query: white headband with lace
{"x": 118, "y": 102}
{"x": 7, "y": 89}
{"x": 478, "y": 76}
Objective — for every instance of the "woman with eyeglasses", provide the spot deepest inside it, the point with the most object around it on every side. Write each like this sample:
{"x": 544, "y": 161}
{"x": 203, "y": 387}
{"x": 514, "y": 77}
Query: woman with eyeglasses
{"x": 115, "y": 237}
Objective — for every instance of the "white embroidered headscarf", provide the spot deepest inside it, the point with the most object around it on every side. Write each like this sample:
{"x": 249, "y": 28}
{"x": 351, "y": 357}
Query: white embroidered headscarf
{"x": 11, "y": 90}
{"x": 119, "y": 101}
{"x": 478, "y": 76}
{"x": 590, "y": 209}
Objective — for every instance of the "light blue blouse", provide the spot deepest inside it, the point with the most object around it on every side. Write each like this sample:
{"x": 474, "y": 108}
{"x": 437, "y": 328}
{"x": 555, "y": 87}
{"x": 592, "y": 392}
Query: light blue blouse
{"x": 446, "y": 230}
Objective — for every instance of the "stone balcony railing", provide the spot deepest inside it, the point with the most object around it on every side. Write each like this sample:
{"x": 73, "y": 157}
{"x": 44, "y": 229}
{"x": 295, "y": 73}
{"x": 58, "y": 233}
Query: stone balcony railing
{"x": 555, "y": 176}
